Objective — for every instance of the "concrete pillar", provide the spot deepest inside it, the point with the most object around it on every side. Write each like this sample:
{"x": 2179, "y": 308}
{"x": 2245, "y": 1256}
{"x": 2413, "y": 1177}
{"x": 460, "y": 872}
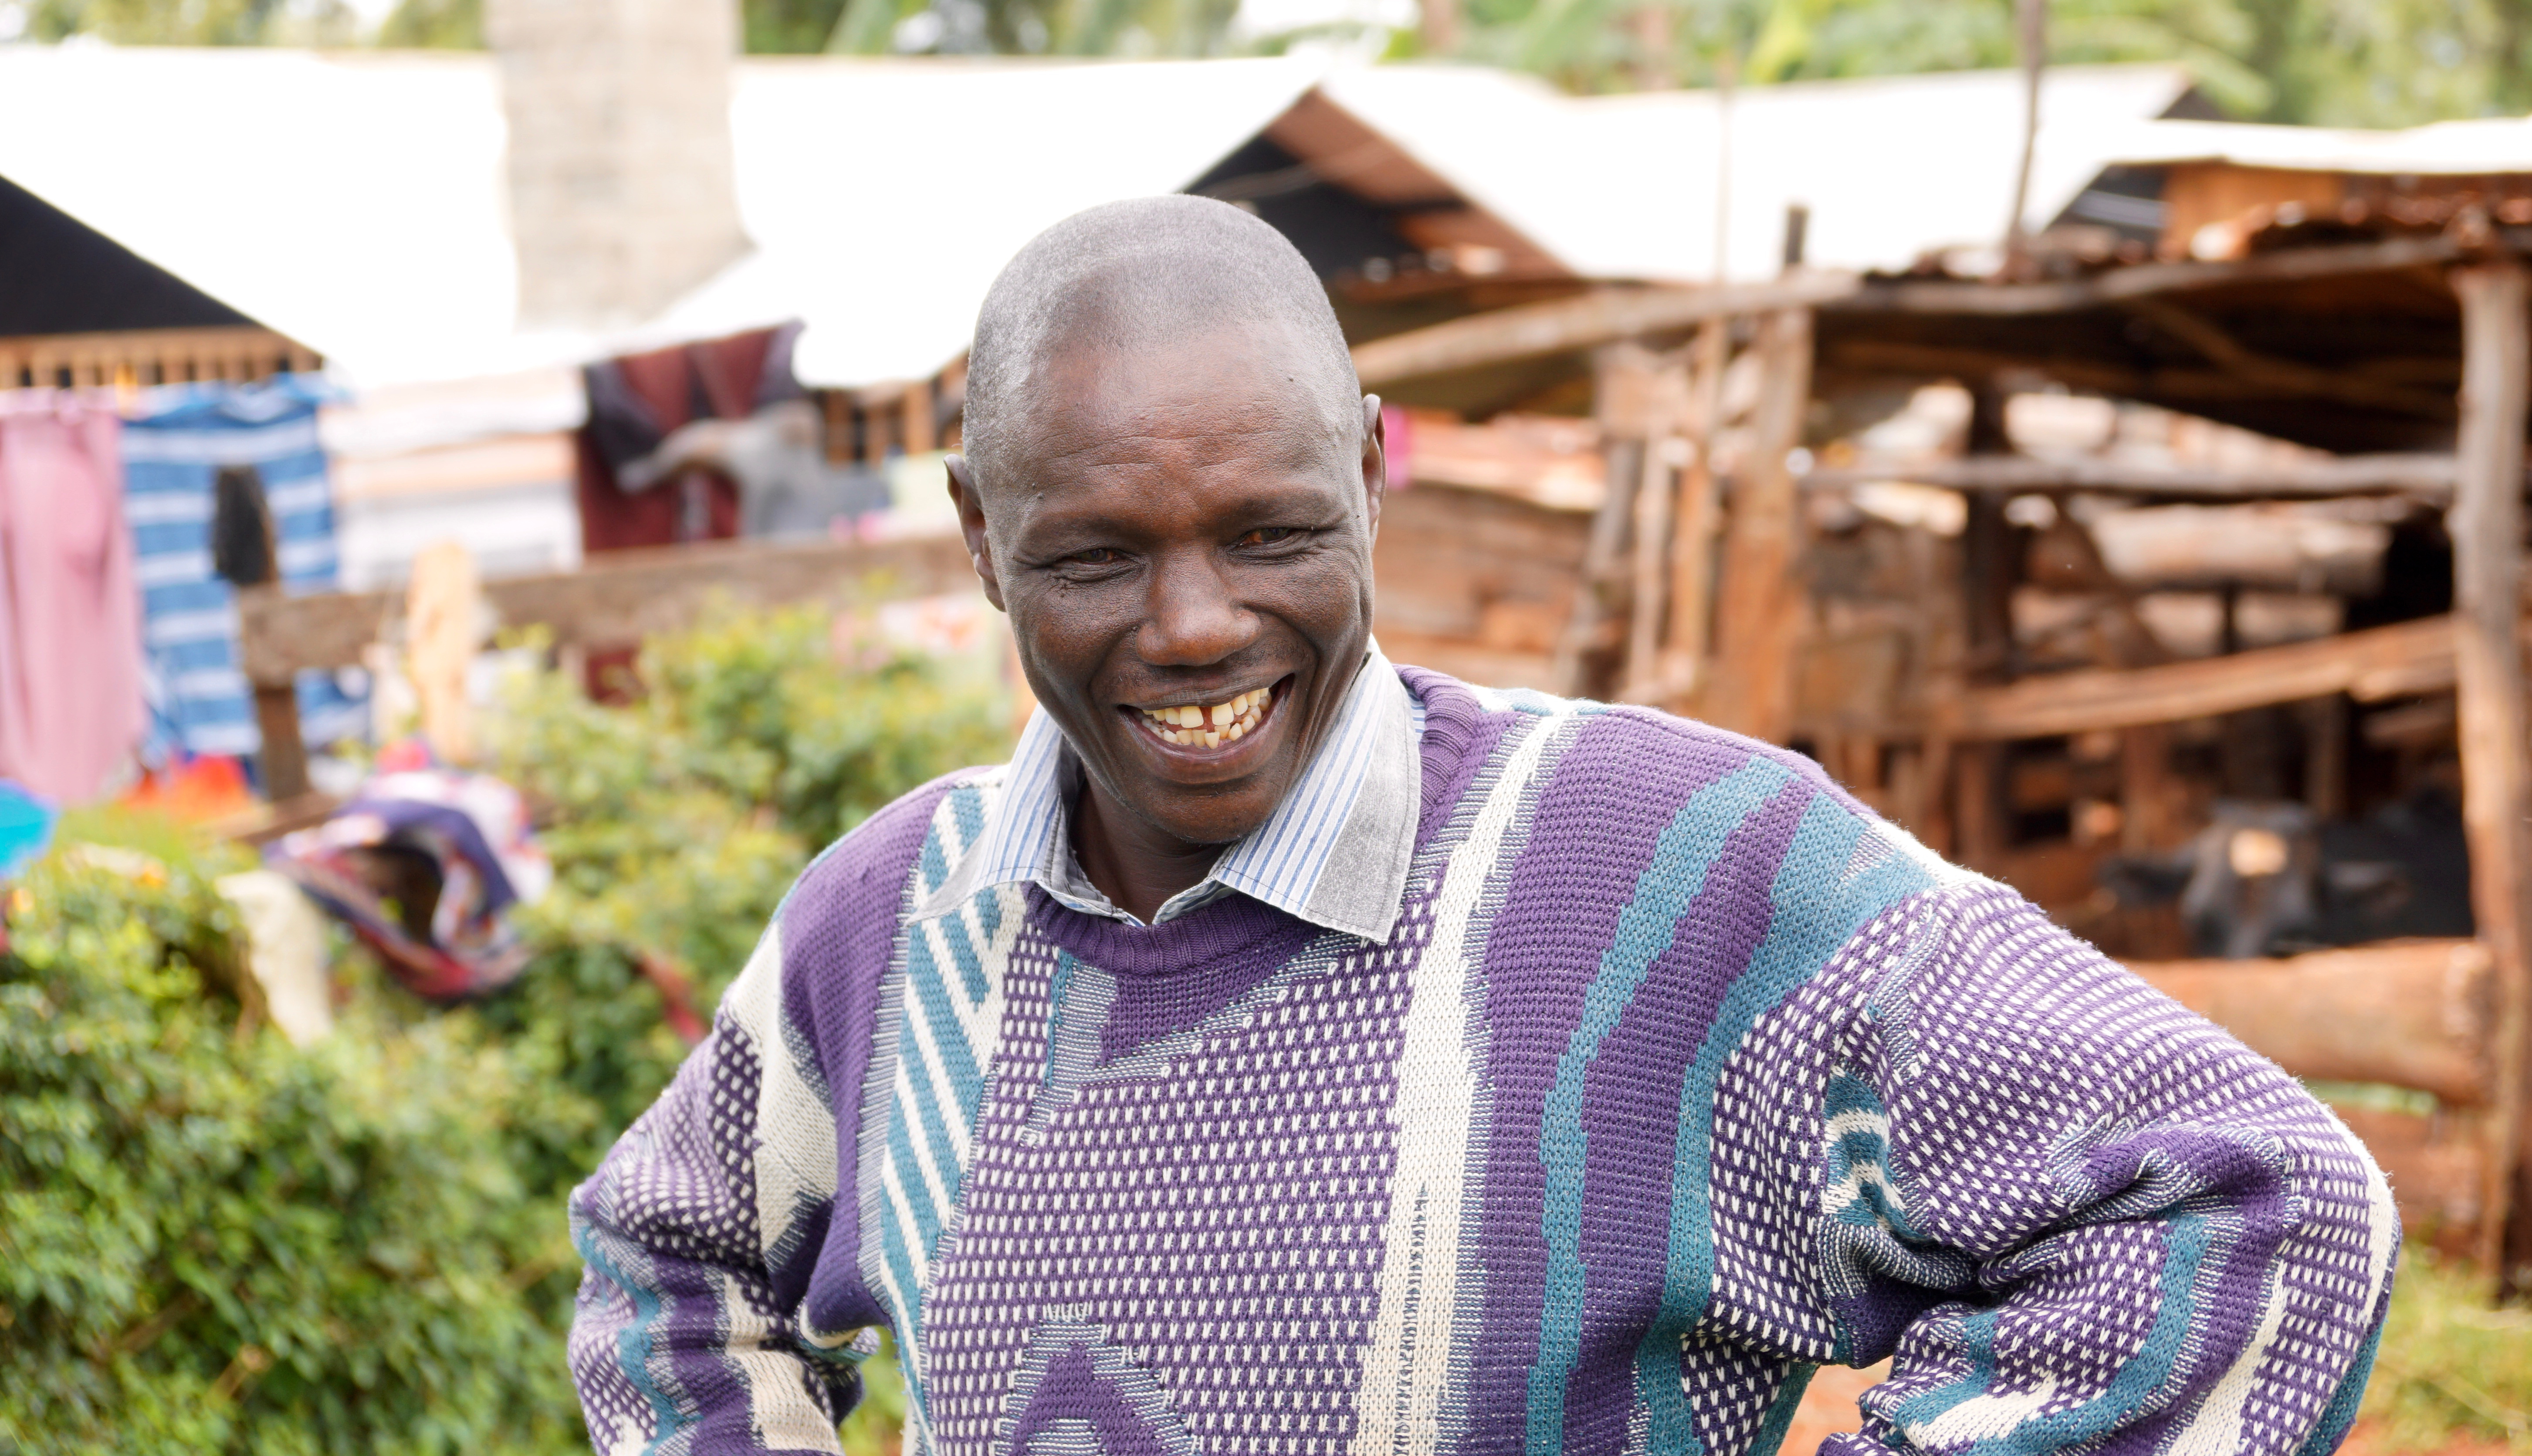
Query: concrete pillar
{"x": 621, "y": 195}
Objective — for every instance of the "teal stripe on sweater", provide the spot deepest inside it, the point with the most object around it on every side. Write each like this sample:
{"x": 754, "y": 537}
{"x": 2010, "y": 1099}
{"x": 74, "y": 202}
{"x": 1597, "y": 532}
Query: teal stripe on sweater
{"x": 1682, "y": 856}
{"x": 1817, "y": 909}
{"x": 2188, "y": 1240}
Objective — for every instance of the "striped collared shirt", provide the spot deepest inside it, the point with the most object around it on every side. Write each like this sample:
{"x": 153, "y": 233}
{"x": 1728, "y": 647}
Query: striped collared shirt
{"x": 1335, "y": 852}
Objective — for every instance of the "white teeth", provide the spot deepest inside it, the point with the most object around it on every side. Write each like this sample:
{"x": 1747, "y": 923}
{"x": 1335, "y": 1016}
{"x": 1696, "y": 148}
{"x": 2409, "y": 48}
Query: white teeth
{"x": 1210, "y": 725}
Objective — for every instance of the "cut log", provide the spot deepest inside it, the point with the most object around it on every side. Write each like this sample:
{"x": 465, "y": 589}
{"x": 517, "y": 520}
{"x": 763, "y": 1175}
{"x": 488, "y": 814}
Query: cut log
{"x": 2409, "y": 1013}
{"x": 616, "y": 600}
{"x": 2411, "y": 657}
{"x": 1584, "y": 321}
{"x": 2427, "y": 476}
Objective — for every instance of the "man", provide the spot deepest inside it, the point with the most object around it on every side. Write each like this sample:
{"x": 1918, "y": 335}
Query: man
{"x": 1292, "y": 1053}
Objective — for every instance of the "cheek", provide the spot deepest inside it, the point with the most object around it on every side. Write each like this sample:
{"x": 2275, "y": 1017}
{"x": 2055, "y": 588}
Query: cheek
{"x": 1069, "y": 630}
{"x": 1322, "y": 596}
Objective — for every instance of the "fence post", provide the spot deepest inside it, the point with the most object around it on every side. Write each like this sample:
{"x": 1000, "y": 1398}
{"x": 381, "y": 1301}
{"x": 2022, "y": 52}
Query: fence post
{"x": 2485, "y": 524}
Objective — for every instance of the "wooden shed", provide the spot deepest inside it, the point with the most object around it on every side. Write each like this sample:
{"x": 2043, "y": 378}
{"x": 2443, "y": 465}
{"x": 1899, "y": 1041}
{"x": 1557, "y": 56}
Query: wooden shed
{"x": 1994, "y": 684}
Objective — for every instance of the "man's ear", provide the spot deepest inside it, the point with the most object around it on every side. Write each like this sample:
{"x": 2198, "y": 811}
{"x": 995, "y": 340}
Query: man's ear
{"x": 971, "y": 525}
{"x": 1375, "y": 463}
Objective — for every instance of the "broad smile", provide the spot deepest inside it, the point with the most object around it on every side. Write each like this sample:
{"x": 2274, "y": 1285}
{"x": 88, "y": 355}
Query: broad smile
{"x": 1207, "y": 728}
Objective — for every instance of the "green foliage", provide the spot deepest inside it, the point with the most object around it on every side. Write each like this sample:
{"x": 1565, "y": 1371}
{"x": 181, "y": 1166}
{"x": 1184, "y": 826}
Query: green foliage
{"x": 212, "y": 1240}
{"x": 2451, "y": 1369}
{"x": 434, "y": 24}
{"x": 195, "y": 22}
{"x": 2389, "y": 63}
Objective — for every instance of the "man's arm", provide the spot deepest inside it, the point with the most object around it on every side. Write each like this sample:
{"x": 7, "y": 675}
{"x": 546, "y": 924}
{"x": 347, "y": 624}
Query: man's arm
{"x": 2080, "y": 1215}
{"x": 695, "y": 1229}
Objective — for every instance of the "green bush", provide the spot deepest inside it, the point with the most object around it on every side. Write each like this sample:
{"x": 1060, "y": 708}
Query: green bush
{"x": 212, "y": 1240}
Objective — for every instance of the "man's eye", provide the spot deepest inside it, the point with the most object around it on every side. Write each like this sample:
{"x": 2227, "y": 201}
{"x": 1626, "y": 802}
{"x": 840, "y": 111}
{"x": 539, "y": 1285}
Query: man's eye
{"x": 1097, "y": 556}
{"x": 1270, "y": 536}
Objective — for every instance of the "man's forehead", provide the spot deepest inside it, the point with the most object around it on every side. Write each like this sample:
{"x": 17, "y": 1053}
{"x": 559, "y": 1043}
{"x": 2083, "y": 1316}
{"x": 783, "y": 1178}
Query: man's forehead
{"x": 1243, "y": 388}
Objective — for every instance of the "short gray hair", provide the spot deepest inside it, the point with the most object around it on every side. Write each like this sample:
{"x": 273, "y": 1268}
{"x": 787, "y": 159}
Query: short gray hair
{"x": 1140, "y": 274}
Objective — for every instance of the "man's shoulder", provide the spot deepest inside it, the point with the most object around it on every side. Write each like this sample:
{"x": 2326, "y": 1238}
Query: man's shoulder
{"x": 1679, "y": 788}
{"x": 864, "y": 875}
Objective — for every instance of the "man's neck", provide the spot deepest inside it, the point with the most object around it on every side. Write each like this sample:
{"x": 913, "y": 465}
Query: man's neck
{"x": 1136, "y": 867}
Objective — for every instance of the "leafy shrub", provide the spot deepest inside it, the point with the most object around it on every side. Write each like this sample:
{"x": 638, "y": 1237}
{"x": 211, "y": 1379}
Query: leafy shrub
{"x": 212, "y": 1240}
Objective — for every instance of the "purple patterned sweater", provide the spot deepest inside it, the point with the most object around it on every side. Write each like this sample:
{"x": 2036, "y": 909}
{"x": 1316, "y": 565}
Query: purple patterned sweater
{"x": 1680, "y": 1076}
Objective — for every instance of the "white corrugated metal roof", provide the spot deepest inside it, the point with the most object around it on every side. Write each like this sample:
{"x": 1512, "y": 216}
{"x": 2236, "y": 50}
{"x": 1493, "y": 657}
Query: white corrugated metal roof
{"x": 2497, "y": 145}
{"x": 1624, "y": 187}
{"x": 355, "y": 201}
{"x": 883, "y": 195}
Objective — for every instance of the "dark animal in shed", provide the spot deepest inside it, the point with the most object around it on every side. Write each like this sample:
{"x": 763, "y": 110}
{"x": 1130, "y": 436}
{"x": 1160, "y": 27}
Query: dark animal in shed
{"x": 2267, "y": 878}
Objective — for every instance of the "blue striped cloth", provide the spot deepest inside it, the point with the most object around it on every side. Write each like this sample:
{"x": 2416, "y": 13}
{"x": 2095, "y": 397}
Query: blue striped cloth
{"x": 199, "y": 701}
{"x": 1282, "y": 863}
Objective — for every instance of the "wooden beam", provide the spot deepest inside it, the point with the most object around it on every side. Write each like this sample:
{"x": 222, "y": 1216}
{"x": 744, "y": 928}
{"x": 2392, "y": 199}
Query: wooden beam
{"x": 2486, "y": 525}
{"x": 2411, "y": 657}
{"x": 2287, "y": 375}
{"x": 617, "y": 598}
{"x": 1759, "y": 607}
{"x": 2427, "y": 476}
{"x": 2144, "y": 280}
{"x": 1584, "y": 321}
{"x": 2410, "y": 1014}
{"x": 2093, "y": 376}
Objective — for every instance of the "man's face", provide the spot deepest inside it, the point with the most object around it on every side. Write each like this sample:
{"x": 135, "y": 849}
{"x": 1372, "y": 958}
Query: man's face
{"x": 1182, "y": 540}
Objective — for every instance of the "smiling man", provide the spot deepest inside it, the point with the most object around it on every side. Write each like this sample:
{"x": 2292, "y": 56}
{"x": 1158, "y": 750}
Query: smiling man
{"x": 1291, "y": 1053}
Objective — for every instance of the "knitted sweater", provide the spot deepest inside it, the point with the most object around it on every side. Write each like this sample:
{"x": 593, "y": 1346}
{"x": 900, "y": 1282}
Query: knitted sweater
{"x": 1680, "y": 1074}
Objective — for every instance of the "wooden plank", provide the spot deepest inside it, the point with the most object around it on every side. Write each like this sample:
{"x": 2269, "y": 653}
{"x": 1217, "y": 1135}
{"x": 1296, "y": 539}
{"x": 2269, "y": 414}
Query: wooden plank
{"x": 167, "y": 353}
{"x": 2412, "y": 1014}
{"x": 1584, "y": 321}
{"x": 2485, "y": 524}
{"x": 2411, "y": 657}
{"x": 2144, "y": 280}
{"x": 2430, "y": 477}
{"x": 617, "y": 598}
{"x": 1759, "y": 607}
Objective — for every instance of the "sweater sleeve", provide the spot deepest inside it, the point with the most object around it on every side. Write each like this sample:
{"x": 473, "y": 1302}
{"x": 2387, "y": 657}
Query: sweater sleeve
{"x": 696, "y": 1233}
{"x": 2076, "y": 1214}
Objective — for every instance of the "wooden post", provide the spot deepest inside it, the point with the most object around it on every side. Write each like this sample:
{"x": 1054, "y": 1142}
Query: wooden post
{"x": 2485, "y": 524}
{"x": 917, "y": 408}
{"x": 1691, "y": 554}
{"x": 1646, "y": 598}
{"x": 1979, "y": 833}
{"x": 284, "y": 758}
{"x": 1760, "y": 606}
{"x": 1649, "y": 600}
{"x": 1621, "y": 400}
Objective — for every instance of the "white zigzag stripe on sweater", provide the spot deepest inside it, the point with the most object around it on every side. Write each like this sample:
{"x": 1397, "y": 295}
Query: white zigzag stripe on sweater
{"x": 780, "y": 1409}
{"x": 795, "y": 1129}
{"x": 1416, "y": 1338}
{"x": 920, "y": 1184}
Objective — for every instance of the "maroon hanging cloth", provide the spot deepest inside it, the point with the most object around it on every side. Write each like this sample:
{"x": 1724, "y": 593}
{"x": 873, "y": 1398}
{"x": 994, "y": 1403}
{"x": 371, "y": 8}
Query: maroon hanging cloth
{"x": 635, "y": 401}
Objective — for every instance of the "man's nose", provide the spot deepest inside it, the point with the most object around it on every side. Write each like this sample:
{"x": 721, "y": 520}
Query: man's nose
{"x": 1192, "y": 618}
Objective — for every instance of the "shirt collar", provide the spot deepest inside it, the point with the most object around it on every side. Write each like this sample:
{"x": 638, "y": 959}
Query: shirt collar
{"x": 1335, "y": 852}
